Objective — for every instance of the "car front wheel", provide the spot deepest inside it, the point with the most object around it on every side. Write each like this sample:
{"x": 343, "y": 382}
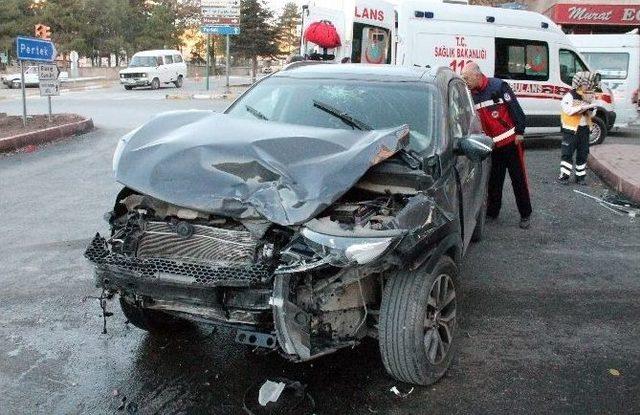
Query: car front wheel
{"x": 155, "y": 83}
{"x": 178, "y": 82}
{"x": 418, "y": 323}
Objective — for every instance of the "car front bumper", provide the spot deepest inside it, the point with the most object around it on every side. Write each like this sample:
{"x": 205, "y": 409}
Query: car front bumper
{"x": 135, "y": 81}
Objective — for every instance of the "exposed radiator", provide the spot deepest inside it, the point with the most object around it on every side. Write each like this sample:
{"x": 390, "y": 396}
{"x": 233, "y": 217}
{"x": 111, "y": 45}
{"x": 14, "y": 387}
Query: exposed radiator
{"x": 209, "y": 244}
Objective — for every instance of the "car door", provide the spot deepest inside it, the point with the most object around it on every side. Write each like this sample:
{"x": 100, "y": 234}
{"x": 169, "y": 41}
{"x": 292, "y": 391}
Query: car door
{"x": 460, "y": 117}
{"x": 167, "y": 69}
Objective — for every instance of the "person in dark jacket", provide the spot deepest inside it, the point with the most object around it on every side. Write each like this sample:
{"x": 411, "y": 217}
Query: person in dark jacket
{"x": 504, "y": 121}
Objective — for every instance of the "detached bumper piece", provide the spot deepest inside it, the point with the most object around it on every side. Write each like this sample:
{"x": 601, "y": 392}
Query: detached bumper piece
{"x": 179, "y": 271}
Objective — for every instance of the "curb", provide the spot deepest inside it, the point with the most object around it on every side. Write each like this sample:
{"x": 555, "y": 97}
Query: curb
{"x": 607, "y": 172}
{"x": 46, "y": 135}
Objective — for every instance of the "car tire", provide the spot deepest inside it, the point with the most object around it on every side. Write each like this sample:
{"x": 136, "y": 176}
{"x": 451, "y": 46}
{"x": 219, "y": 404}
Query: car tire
{"x": 127, "y": 87}
{"x": 152, "y": 321}
{"x": 178, "y": 82}
{"x": 155, "y": 83}
{"x": 15, "y": 85}
{"x": 481, "y": 220}
{"x": 411, "y": 317}
{"x": 598, "y": 131}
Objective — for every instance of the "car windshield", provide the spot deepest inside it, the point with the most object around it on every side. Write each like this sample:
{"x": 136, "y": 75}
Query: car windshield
{"x": 343, "y": 104}
{"x": 138, "y": 61}
{"x": 610, "y": 65}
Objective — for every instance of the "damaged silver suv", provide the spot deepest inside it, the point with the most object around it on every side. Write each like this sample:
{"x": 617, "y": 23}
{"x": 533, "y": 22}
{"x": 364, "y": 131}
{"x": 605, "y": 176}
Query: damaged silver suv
{"x": 326, "y": 204}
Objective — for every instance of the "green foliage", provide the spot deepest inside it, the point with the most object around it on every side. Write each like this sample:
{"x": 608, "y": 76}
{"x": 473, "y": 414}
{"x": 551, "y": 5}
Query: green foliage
{"x": 100, "y": 27}
{"x": 258, "y": 34}
{"x": 288, "y": 28}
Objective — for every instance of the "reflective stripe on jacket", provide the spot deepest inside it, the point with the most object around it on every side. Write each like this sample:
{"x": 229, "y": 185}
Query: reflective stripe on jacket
{"x": 501, "y": 116}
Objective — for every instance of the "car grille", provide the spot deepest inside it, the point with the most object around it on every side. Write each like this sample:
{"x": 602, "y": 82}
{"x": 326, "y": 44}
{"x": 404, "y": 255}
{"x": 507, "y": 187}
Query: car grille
{"x": 205, "y": 244}
{"x": 208, "y": 257}
{"x": 131, "y": 75}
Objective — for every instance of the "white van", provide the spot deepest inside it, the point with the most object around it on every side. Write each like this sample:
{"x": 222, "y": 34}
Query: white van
{"x": 617, "y": 59}
{"x": 524, "y": 48}
{"x": 154, "y": 68}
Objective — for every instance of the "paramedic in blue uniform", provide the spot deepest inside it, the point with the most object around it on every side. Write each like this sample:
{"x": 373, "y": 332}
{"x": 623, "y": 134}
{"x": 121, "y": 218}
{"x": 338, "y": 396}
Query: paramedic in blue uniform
{"x": 504, "y": 121}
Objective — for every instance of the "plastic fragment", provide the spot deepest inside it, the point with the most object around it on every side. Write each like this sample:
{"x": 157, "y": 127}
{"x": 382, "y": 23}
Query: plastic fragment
{"x": 270, "y": 392}
{"x": 401, "y": 394}
{"x": 614, "y": 372}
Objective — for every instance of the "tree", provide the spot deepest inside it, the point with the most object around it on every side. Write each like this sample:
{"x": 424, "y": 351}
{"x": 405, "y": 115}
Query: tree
{"x": 16, "y": 18}
{"x": 166, "y": 21}
{"x": 288, "y": 28}
{"x": 258, "y": 35}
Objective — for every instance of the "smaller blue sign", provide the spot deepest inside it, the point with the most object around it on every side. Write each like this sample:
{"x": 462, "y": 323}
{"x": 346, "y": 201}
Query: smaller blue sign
{"x": 220, "y": 30}
{"x": 32, "y": 49}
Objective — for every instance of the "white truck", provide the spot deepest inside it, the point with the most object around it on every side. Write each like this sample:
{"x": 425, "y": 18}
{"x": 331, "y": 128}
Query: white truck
{"x": 524, "y": 48}
{"x": 617, "y": 59}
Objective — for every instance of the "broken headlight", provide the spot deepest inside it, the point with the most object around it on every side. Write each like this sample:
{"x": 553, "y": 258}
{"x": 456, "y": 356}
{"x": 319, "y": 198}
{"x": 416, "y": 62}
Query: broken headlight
{"x": 347, "y": 250}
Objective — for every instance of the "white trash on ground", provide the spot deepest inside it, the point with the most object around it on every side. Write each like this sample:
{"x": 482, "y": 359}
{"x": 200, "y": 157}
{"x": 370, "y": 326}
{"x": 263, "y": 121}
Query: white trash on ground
{"x": 270, "y": 392}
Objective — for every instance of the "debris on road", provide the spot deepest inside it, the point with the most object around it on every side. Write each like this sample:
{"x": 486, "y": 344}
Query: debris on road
{"x": 614, "y": 372}
{"x": 278, "y": 396}
{"x": 270, "y": 392}
{"x": 401, "y": 394}
{"x": 616, "y": 204}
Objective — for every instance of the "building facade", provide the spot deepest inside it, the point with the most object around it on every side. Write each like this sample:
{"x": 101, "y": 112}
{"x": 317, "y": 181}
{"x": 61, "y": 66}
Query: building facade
{"x": 590, "y": 16}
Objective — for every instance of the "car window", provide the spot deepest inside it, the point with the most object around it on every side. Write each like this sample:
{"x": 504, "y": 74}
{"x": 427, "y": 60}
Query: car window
{"x": 522, "y": 59}
{"x": 168, "y": 59}
{"x": 177, "y": 58}
{"x": 141, "y": 61}
{"x": 378, "y": 104}
{"x": 460, "y": 110}
{"x": 611, "y": 65}
{"x": 570, "y": 63}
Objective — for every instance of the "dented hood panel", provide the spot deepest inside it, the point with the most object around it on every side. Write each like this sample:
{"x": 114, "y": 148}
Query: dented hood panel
{"x": 243, "y": 168}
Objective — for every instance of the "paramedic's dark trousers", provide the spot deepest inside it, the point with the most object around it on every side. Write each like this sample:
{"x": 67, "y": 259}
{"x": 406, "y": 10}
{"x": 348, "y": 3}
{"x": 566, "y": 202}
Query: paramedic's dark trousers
{"x": 578, "y": 142}
{"x": 509, "y": 158}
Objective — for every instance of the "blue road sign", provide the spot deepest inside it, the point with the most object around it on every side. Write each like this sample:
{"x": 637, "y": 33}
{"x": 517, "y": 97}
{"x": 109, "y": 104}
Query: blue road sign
{"x": 220, "y": 30}
{"x": 32, "y": 49}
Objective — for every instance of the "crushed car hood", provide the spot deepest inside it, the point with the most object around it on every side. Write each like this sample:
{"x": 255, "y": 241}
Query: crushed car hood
{"x": 246, "y": 168}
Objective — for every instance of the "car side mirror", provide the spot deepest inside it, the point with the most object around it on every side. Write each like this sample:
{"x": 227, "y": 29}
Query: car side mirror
{"x": 476, "y": 147}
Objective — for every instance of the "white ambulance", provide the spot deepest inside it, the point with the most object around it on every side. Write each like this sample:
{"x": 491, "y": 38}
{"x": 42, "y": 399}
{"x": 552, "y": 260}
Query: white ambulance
{"x": 524, "y": 48}
{"x": 617, "y": 59}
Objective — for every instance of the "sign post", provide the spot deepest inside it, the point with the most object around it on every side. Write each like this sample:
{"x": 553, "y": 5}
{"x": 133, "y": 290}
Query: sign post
{"x": 48, "y": 82}
{"x": 31, "y": 49}
{"x": 227, "y": 90}
{"x": 220, "y": 17}
{"x": 208, "y": 60}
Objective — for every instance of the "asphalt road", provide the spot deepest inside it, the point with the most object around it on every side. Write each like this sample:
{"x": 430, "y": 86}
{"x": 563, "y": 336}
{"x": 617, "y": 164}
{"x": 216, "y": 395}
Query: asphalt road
{"x": 546, "y": 312}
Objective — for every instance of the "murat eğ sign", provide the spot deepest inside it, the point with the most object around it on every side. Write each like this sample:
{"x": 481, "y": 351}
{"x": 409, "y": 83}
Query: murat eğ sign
{"x": 602, "y": 14}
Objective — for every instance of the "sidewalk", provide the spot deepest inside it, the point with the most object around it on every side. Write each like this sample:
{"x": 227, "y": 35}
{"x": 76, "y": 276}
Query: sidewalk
{"x": 619, "y": 166}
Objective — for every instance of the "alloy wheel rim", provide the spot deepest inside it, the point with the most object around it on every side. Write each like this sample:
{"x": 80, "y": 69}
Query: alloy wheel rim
{"x": 440, "y": 319}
